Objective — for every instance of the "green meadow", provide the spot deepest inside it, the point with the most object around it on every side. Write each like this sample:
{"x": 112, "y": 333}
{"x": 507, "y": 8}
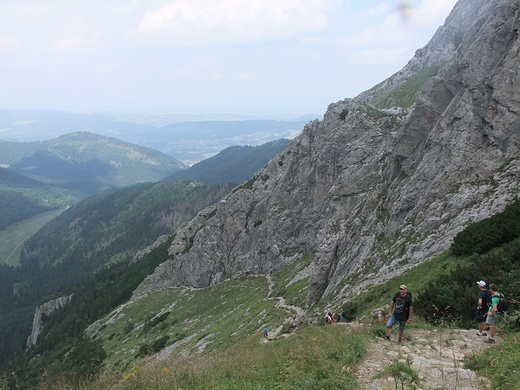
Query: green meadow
{"x": 12, "y": 238}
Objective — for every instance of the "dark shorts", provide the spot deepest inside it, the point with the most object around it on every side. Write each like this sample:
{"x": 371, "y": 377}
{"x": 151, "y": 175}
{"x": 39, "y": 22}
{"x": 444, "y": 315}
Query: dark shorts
{"x": 481, "y": 315}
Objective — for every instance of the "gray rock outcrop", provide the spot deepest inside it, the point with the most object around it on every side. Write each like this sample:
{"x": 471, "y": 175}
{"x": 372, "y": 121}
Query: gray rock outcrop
{"x": 378, "y": 185}
{"x": 45, "y": 310}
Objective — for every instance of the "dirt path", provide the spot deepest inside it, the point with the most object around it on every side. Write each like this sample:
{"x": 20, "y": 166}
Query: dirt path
{"x": 14, "y": 251}
{"x": 436, "y": 356}
{"x": 283, "y": 304}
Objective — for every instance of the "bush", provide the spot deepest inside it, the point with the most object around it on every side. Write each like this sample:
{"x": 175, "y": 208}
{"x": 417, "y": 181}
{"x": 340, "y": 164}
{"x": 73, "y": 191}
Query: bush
{"x": 453, "y": 298}
{"x": 489, "y": 233}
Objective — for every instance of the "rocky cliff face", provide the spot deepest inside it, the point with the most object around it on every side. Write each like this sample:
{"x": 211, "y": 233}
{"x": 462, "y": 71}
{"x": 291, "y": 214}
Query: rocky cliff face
{"x": 45, "y": 310}
{"x": 386, "y": 180}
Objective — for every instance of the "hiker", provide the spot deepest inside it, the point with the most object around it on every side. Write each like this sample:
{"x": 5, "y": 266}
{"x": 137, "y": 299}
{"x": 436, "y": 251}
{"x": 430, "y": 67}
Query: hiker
{"x": 342, "y": 316}
{"x": 328, "y": 318}
{"x": 403, "y": 308}
{"x": 266, "y": 333}
{"x": 493, "y": 315}
{"x": 483, "y": 302}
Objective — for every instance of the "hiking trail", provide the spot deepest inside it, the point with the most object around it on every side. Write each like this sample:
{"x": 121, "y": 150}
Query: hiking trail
{"x": 435, "y": 355}
{"x": 300, "y": 313}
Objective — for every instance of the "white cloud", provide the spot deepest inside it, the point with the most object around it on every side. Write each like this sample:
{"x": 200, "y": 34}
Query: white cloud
{"x": 7, "y": 42}
{"x": 202, "y": 22}
{"x": 378, "y": 56}
{"x": 164, "y": 54}
{"x": 377, "y": 10}
{"x": 68, "y": 42}
{"x": 200, "y": 68}
{"x": 247, "y": 75}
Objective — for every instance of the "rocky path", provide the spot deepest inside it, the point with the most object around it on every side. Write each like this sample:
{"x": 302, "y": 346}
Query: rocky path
{"x": 283, "y": 304}
{"x": 429, "y": 359}
{"x": 436, "y": 357}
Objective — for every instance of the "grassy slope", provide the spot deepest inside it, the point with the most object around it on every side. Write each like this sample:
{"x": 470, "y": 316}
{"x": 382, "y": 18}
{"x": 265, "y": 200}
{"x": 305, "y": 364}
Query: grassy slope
{"x": 230, "y": 333}
{"x": 12, "y": 238}
{"x": 215, "y": 338}
{"x": 220, "y": 316}
{"x": 210, "y": 319}
{"x": 415, "y": 279}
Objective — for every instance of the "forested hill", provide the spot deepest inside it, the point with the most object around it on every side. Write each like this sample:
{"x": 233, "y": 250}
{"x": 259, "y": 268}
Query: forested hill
{"x": 97, "y": 231}
{"x": 41, "y": 176}
{"x": 235, "y": 164}
{"x": 22, "y": 197}
{"x": 87, "y": 157}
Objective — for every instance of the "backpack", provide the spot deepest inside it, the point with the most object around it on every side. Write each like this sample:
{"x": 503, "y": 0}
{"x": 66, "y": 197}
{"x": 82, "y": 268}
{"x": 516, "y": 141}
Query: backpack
{"x": 487, "y": 301}
{"x": 503, "y": 304}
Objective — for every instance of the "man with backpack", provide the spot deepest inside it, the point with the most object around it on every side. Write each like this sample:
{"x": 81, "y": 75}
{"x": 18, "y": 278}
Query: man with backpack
{"x": 402, "y": 307}
{"x": 493, "y": 312}
{"x": 483, "y": 302}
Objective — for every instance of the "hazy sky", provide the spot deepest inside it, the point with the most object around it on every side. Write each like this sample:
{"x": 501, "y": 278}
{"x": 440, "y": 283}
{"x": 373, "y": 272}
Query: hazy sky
{"x": 233, "y": 56}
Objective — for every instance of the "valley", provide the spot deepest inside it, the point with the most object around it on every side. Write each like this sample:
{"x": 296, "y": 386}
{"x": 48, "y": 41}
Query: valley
{"x": 169, "y": 281}
{"x": 12, "y": 238}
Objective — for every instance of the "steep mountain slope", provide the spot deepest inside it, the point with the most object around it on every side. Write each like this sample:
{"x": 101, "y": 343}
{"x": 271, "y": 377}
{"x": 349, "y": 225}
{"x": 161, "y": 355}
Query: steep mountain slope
{"x": 235, "y": 164}
{"x": 379, "y": 185}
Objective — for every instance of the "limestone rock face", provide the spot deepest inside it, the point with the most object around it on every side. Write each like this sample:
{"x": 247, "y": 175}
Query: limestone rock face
{"x": 378, "y": 185}
{"x": 45, "y": 310}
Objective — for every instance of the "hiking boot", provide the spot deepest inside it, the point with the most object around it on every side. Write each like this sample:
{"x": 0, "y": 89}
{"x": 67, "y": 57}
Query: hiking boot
{"x": 400, "y": 341}
{"x": 490, "y": 341}
{"x": 482, "y": 334}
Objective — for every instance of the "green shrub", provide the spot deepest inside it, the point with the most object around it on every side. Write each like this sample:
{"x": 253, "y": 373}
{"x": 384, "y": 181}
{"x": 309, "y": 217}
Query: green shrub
{"x": 489, "y": 233}
{"x": 452, "y": 298}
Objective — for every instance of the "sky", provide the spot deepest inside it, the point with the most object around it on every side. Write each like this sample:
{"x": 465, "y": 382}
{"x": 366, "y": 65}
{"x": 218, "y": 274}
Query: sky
{"x": 254, "y": 57}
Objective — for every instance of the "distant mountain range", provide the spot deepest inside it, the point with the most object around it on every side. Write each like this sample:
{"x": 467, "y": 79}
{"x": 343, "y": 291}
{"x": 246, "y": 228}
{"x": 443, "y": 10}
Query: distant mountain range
{"x": 235, "y": 164}
{"x": 42, "y": 176}
{"x": 86, "y": 157}
{"x": 182, "y": 137}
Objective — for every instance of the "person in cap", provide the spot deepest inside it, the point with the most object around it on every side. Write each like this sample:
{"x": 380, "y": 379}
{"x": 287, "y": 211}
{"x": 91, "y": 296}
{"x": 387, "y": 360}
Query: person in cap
{"x": 482, "y": 307}
{"x": 402, "y": 307}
